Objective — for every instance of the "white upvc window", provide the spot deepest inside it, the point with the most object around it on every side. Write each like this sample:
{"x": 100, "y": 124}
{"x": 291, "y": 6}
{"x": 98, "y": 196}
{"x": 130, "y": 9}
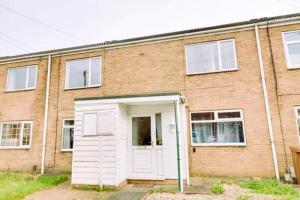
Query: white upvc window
{"x": 21, "y": 78}
{"x": 210, "y": 57}
{"x": 83, "y": 73}
{"x": 67, "y": 134}
{"x": 16, "y": 134}
{"x": 218, "y": 128}
{"x": 291, "y": 41}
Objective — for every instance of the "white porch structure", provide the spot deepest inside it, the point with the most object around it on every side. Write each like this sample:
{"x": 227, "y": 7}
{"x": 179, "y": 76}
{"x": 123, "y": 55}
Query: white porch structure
{"x": 140, "y": 137}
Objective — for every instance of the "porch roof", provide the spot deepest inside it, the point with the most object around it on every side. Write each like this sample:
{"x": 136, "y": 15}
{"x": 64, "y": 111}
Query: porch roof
{"x": 133, "y": 98}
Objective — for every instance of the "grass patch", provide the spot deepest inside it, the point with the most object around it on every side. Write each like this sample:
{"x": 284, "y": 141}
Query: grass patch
{"x": 272, "y": 187}
{"x": 15, "y": 186}
{"x": 217, "y": 188}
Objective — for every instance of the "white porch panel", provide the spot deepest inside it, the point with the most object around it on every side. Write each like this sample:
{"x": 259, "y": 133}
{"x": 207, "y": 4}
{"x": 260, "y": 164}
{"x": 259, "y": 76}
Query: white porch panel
{"x": 103, "y": 158}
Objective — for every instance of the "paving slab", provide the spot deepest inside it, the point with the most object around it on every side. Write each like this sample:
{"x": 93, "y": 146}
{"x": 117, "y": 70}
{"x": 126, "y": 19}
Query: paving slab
{"x": 130, "y": 193}
{"x": 64, "y": 192}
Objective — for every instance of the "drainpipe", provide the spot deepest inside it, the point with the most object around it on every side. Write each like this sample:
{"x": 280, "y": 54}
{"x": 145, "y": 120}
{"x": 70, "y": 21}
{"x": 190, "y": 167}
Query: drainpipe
{"x": 183, "y": 101}
{"x": 263, "y": 81}
{"x": 177, "y": 119}
{"x": 46, "y": 115}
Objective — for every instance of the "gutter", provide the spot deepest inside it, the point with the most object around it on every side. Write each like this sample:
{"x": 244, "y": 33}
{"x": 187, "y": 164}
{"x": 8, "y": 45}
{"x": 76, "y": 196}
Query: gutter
{"x": 46, "y": 116}
{"x": 269, "y": 118}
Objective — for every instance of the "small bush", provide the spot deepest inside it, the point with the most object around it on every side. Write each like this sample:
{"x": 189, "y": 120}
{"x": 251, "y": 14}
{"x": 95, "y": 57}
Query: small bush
{"x": 243, "y": 197}
{"x": 217, "y": 188}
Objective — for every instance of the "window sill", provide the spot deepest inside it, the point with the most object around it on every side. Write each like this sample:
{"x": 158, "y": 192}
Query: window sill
{"x": 66, "y": 150}
{"x": 220, "y": 145}
{"x": 293, "y": 67}
{"x": 212, "y": 72}
{"x": 22, "y": 90}
{"x": 14, "y": 148}
{"x": 79, "y": 88}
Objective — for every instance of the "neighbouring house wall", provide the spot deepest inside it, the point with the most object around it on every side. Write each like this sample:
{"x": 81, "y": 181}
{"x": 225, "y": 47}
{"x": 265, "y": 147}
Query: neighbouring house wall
{"x": 160, "y": 67}
{"x": 23, "y": 105}
{"x": 288, "y": 87}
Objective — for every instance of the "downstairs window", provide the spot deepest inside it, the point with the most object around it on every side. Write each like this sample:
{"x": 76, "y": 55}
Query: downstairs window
{"x": 219, "y": 128}
{"x": 16, "y": 134}
{"x": 67, "y": 135}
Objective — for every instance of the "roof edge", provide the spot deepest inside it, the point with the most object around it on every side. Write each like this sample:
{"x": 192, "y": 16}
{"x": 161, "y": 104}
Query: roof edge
{"x": 155, "y": 37}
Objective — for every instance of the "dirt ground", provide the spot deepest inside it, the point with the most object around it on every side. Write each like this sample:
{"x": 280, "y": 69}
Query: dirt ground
{"x": 64, "y": 192}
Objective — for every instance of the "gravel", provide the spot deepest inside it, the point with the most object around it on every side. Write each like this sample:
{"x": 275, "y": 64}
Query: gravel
{"x": 232, "y": 192}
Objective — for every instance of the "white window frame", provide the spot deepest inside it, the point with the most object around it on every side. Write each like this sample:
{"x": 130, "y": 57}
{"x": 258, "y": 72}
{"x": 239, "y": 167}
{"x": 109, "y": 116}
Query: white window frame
{"x": 297, "y": 117}
{"x": 219, "y": 120}
{"x": 27, "y": 74}
{"x": 286, "y": 50}
{"x": 90, "y": 74}
{"x": 219, "y": 57}
{"x": 62, "y": 134}
{"x": 21, "y": 135}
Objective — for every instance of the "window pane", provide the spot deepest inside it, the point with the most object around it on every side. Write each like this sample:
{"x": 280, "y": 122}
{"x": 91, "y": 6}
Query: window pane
{"x": 158, "y": 124}
{"x": 227, "y": 55}
{"x": 202, "y": 58}
{"x": 69, "y": 122}
{"x": 11, "y": 135}
{"x": 218, "y": 132}
{"x": 68, "y": 136}
{"x": 203, "y": 133}
{"x": 203, "y": 116}
{"x": 292, "y": 36}
{"x": 230, "y": 132}
{"x": 26, "y": 134}
{"x": 17, "y": 78}
{"x": 294, "y": 53}
{"x": 31, "y": 77}
{"x": 141, "y": 131}
{"x": 78, "y": 73}
{"x": 95, "y": 73}
{"x": 224, "y": 115}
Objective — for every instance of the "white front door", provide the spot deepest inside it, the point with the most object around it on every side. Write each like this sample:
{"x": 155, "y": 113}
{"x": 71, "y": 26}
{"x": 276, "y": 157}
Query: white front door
{"x": 145, "y": 145}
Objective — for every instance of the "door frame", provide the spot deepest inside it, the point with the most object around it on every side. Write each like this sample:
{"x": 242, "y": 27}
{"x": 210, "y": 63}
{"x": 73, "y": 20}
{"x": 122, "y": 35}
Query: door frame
{"x": 153, "y": 147}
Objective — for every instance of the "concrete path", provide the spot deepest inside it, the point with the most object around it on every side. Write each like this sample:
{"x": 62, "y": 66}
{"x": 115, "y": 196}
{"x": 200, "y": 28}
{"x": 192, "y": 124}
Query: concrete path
{"x": 64, "y": 192}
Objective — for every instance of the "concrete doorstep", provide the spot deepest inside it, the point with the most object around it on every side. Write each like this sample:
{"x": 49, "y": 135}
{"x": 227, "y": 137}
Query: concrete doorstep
{"x": 130, "y": 193}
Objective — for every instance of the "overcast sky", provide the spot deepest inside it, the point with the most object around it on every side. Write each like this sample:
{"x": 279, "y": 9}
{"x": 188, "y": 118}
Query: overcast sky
{"x": 35, "y": 25}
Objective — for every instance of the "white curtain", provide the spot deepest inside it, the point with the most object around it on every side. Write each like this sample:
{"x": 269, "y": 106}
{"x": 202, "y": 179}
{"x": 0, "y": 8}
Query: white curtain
{"x": 217, "y": 132}
{"x": 67, "y": 138}
{"x": 202, "y": 57}
{"x": 227, "y": 55}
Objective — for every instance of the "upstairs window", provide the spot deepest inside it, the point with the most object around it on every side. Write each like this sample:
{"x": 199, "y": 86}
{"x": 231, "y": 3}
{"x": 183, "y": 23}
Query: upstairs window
{"x": 83, "y": 73}
{"x": 16, "y": 134}
{"x": 292, "y": 48}
{"x": 22, "y": 78}
{"x": 211, "y": 57}
{"x": 224, "y": 128}
{"x": 67, "y": 135}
